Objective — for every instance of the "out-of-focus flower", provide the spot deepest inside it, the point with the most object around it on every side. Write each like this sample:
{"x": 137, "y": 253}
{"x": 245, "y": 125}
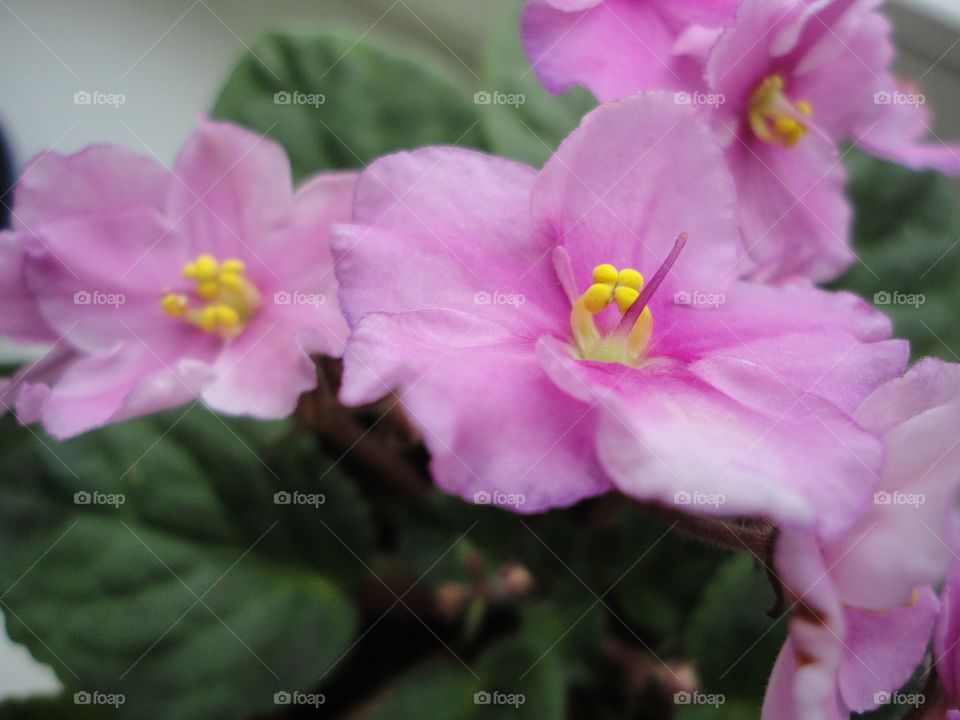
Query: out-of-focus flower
{"x": 510, "y": 313}
{"x": 864, "y": 609}
{"x": 156, "y": 286}
{"x": 786, "y": 82}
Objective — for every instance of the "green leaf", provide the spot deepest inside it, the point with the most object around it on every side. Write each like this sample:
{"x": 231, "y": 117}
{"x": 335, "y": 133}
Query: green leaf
{"x": 531, "y": 130}
{"x": 150, "y": 559}
{"x": 731, "y": 640}
{"x": 514, "y": 680}
{"x": 347, "y": 103}
{"x": 906, "y": 235}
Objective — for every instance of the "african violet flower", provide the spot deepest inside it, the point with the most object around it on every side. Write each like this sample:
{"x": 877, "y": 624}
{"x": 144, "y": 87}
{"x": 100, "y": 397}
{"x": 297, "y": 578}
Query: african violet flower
{"x": 157, "y": 286}
{"x": 510, "y": 313}
{"x": 864, "y": 608}
{"x": 786, "y": 82}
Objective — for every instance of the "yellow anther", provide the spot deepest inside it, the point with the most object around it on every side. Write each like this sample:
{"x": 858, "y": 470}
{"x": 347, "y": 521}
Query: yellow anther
{"x": 174, "y": 305}
{"x": 233, "y": 266}
{"x": 208, "y": 318}
{"x": 232, "y": 281}
{"x": 804, "y": 108}
{"x": 597, "y": 297}
{"x": 606, "y": 274}
{"x": 630, "y": 278}
{"x": 209, "y": 289}
{"x": 625, "y": 297}
{"x": 226, "y": 316}
{"x": 205, "y": 268}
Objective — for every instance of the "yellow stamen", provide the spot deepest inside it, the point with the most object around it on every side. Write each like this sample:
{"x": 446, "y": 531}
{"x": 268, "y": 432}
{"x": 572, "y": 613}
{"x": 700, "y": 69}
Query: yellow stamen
{"x": 773, "y": 117}
{"x": 623, "y": 288}
{"x": 227, "y": 298}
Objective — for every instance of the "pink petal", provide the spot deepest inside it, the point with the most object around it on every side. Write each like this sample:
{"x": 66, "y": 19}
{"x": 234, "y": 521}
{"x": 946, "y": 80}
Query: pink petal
{"x": 873, "y": 565}
{"x": 795, "y": 217}
{"x": 100, "y": 178}
{"x": 432, "y": 357}
{"x": 615, "y": 48}
{"x": 21, "y": 319}
{"x": 727, "y": 430}
{"x": 102, "y": 276}
{"x": 130, "y": 382}
{"x": 884, "y": 649}
{"x": 628, "y": 181}
{"x": 946, "y": 640}
{"x": 234, "y": 188}
{"x": 448, "y": 228}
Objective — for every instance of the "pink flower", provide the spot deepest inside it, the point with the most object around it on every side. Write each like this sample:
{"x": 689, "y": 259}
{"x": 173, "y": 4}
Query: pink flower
{"x": 786, "y": 83}
{"x": 212, "y": 280}
{"x": 491, "y": 299}
{"x": 864, "y": 608}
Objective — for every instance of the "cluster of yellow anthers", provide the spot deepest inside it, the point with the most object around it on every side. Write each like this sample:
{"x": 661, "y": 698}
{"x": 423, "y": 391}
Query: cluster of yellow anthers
{"x": 611, "y": 286}
{"x": 773, "y": 117}
{"x": 231, "y": 297}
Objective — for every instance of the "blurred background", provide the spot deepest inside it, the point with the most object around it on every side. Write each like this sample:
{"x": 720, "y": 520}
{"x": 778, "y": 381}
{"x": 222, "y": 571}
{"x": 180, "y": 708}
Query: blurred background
{"x": 169, "y": 59}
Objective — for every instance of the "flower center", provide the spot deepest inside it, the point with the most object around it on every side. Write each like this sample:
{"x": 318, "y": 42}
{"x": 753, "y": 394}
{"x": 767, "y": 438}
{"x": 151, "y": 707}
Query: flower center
{"x": 773, "y": 117}
{"x": 625, "y": 288}
{"x": 223, "y": 301}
